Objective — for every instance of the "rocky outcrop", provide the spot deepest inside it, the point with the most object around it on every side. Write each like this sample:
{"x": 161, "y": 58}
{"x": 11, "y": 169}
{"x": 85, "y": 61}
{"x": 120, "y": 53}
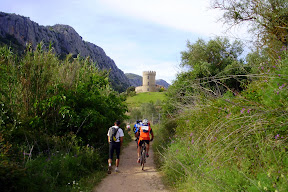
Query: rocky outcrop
{"x": 65, "y": 40}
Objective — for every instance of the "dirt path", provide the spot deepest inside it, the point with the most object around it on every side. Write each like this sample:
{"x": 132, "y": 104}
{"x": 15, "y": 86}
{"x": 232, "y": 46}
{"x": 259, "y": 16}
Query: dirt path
{"x": 131, "y": 178}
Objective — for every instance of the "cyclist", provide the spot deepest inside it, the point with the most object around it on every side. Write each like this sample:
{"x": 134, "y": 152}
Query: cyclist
{"x": 144, "y": 136}
{"x": 136, "y": 126}
{"x": 135, "y": 129}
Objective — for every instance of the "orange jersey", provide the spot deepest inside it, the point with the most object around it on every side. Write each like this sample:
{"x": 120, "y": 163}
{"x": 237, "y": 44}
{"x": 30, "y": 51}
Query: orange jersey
{"x": 145, "y": 132}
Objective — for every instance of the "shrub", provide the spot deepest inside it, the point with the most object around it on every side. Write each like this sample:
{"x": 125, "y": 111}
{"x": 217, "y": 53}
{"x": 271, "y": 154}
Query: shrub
{"x": 50, "y": 111}
{"x": 233, "y": 143}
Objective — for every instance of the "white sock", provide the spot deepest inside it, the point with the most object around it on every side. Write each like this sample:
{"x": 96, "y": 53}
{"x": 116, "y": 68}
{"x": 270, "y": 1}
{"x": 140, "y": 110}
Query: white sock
{"x": 109, "y": 164}
{"x": 116, "y": 168}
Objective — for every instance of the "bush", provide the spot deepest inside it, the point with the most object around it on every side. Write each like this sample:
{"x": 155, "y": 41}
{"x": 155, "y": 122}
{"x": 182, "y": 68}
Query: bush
{"x": 233, "y": 143}
{"x": 52, "y": 110}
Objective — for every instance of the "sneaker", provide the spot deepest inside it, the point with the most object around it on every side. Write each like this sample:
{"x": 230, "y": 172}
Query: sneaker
{"x": 138, "y": 161}
{"x": 117, "y": 171}
{"x": 147, "y": 155}
{"x": 109, "y": 170}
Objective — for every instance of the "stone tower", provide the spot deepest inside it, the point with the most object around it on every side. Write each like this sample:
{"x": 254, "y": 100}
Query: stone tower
{"x": 149, "y": 82}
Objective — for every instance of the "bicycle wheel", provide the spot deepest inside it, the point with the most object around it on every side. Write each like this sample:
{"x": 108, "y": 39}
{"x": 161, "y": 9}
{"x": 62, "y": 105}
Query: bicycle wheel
{"x": 143, "y": 159}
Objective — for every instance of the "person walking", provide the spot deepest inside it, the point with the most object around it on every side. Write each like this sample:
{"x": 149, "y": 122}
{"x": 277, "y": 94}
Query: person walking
{"x": 115, "y": 139}
{"x": 128, "y": 127}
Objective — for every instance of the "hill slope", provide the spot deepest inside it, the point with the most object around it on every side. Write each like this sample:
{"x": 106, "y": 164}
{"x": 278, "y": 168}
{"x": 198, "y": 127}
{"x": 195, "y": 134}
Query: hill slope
{"x": 147, "y": 97}
{"x": 17, "y": 31}
{"x": 135, "y": 80}
{"x": 162, "y": 82}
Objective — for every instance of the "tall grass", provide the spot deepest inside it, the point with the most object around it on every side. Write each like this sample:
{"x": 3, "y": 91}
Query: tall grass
{"x": 235, "y": 143}
{"x": 54, "y": 117}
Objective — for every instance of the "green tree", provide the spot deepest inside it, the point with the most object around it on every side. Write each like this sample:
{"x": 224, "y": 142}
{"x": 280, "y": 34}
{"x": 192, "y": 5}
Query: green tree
{"x": 213, "y": 68}
{"x": 49, "y": 105}
{"x": 131, "y": 91}
{"x": 210, "y": 63}
{"x": 268, "y": 19}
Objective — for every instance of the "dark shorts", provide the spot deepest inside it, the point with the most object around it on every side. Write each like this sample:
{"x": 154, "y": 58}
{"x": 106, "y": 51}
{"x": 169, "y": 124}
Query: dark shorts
{"x": 146, "y": 141}
{"x": 112, "y": 147}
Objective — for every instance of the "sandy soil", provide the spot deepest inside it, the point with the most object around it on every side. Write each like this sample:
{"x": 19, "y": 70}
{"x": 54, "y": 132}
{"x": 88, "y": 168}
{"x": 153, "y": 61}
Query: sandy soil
{"x": 131, "y": 178}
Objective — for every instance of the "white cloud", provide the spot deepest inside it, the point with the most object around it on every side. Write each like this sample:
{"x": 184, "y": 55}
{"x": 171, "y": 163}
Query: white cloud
{"x": 188, "y": 15}
{"x": 134, "y": 57}
{"x": 138, "y": 35}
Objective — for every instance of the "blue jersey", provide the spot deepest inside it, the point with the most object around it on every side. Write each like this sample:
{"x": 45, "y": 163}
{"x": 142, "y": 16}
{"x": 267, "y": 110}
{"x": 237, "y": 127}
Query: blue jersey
{"x": 136, "y": 126}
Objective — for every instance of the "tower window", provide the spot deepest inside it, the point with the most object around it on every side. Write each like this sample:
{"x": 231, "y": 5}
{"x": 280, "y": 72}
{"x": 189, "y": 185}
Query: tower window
{"x": 148, "y": 77}
{"x": 148, "y": 83}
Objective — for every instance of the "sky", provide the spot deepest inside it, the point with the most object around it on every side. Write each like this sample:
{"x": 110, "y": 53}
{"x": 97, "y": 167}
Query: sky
{"x": 139, "y": 35}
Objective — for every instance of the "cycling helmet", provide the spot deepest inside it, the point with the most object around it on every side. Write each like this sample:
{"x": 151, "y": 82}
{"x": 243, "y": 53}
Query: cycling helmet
{"x": 145, "y": 121}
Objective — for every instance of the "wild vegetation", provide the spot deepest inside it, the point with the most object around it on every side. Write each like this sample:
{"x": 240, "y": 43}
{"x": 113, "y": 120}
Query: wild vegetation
{"x": 54, "y": 119}
{"x": 145, "y": 105}
{"x": 225, "y": 122}
{"x": 226, "y": 125}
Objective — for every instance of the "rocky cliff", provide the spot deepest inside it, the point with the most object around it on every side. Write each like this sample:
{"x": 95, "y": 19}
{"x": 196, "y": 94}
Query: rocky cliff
{"x": 18, "y": 30}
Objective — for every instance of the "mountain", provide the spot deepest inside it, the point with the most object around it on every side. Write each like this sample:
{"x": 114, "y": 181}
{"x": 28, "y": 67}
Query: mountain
{"x": 163, "y": 83}
{"x": 136, "y": 80}
{"x": 16, "y": 31}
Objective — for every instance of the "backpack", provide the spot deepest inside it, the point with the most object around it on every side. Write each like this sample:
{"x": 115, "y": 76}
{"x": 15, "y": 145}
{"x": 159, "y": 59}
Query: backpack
{"x": 112, "y": 134}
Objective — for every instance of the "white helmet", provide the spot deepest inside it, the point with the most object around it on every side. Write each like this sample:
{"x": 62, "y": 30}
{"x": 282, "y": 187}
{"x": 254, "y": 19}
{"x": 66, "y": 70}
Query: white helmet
{"x": 145, "y": 121}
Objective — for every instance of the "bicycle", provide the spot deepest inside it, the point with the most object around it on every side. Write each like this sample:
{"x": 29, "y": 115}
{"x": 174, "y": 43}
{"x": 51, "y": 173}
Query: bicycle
{"x": 143, "y": 155}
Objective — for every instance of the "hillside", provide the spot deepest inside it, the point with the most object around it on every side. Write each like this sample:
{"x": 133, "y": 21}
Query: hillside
{"x": 146, "y": 97}
{"x": 162, "y": 82}
{"x": 136, "y": 80}
{"x": 16, "y": 31}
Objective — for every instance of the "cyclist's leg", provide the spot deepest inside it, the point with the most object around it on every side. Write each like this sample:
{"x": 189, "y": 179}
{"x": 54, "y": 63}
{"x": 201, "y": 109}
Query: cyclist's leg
{"x": 147, "y": 148}
{"x": 137, "y": 141}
